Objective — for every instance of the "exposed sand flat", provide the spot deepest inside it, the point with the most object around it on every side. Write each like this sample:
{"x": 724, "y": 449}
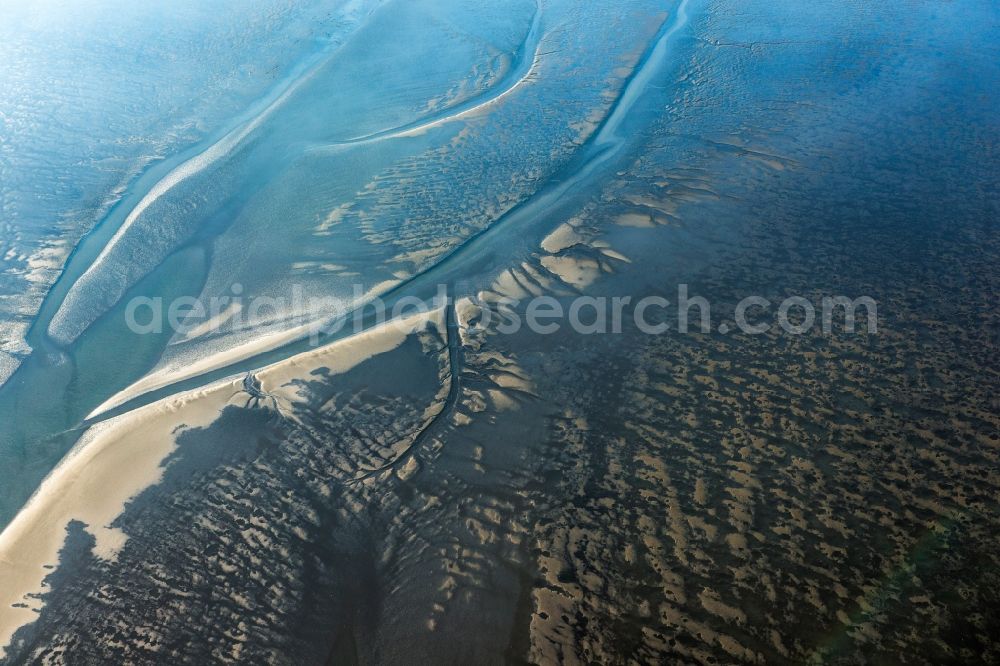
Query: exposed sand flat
{"x": 343, "y": 355}
{"x": 573, "y": 271}
{"x": 171, "y": 374}
{"x": 564, "y": 236}
{"x": 113, "y": 462}
{"x": 116, "y": 460}
{"x": 635, "y": 220}
{"x": 8, "y": 364}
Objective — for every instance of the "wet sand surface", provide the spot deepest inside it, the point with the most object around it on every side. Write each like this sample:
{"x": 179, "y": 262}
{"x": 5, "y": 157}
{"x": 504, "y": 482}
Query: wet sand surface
{"x": 443, "y": 492}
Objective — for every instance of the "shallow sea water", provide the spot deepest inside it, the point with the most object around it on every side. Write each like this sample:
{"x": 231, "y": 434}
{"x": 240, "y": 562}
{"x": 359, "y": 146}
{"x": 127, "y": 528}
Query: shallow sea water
{"x": 449, "y": 494}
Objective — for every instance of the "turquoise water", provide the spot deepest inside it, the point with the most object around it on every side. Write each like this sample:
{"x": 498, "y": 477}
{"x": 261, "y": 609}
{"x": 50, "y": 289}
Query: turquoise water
{"x": 479, "y": 497}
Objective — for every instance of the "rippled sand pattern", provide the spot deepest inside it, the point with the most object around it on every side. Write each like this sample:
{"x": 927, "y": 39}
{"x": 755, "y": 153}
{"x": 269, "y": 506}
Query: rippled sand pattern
{"x": 452, "y": 493}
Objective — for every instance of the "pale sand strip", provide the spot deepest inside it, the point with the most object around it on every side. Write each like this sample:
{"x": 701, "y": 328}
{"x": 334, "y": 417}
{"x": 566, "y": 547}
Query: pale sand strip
{"x": 532, "y": 40}
{"x": 212, "y": 324}
{"x": 169, "y": 375}
{"x": 172, "y": 374}
{"x": 118, "y": 459}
